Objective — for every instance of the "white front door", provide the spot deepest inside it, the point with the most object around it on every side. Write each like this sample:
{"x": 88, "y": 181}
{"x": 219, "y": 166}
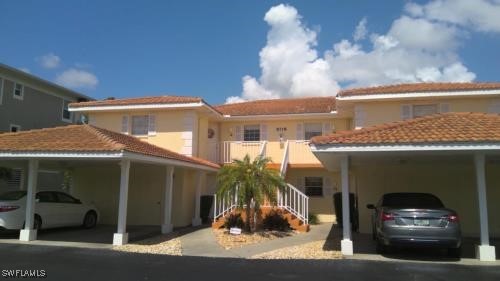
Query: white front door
{"x": 213, "y": 144}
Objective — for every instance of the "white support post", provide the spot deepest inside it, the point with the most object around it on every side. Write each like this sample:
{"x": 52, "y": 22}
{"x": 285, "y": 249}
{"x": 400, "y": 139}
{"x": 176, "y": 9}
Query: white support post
{"x": 346, "y": 244}
{"x": 167, "y": 226}
{"x": 29, "y": 233}
{"x": 121, "y": 236}
{"x": 196, "y": 218}
{"x": 484, "y": 251}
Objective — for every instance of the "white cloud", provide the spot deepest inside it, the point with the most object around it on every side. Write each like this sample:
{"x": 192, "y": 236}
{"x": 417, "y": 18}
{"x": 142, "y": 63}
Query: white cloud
{"x": 76, "y": 78}
{"x": 480, "y": 15}
{"x": 49, "y": 61}
{"x": 420, "y": 46}
{"x": 289, "y": 63}
{"x": 360, "y": 31}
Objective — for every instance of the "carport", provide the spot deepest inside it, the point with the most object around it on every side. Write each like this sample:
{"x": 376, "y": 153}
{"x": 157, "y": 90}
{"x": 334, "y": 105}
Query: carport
{"x": 454, "y": 155}
{"x": 91, "y": 152}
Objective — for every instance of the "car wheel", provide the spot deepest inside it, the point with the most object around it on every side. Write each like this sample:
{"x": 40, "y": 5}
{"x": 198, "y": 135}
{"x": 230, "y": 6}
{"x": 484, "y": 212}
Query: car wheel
{"x": 37, "y": 224}
{"x": 455, "y": 252}
{"x": 90, "y": 220}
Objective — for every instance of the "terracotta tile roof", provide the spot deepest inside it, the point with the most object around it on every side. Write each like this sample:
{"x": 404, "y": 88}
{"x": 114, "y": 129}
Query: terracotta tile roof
{"x": 138, "y": 101}
{"x": 279, "y": 106}
{"x": 453, "y": 127}
{"x": 86, "y": 138}
{"x": 418, "y": 87}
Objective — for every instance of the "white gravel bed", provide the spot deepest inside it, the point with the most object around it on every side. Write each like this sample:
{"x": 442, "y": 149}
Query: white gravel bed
{"x": 163, "y": 245}
{"x": 311, "y": 250}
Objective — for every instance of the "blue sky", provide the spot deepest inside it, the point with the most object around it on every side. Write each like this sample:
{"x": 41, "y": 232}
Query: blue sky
{"x": 205, "y": 48}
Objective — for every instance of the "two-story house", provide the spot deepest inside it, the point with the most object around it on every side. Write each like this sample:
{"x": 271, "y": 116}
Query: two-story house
{"x": 28, "y": 102}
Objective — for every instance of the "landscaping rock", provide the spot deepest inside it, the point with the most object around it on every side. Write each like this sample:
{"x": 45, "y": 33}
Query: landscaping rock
{"x": 164, "y": 245}
{"x": 229, "y": 241}
{"x": 312, "y": 250}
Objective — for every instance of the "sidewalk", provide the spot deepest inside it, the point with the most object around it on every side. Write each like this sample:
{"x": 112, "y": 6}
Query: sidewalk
{"x": 202, "y": 243}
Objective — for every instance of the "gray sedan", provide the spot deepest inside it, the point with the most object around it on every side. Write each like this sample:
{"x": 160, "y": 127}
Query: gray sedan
{"x": 415, "y": 219}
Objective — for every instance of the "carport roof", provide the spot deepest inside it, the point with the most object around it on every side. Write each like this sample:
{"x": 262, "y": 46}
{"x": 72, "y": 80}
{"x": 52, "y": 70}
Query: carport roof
{"x": 447, "y": 128}
{"x": 86, "y": 139}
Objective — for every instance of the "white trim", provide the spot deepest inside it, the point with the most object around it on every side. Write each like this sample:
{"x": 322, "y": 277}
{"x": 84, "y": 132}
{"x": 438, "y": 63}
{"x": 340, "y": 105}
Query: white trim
{"x": 411, "y": 95}
{"x": 405, "y": 147}
{"x": 64, "y": 155}
{"x": 137, "y": 106}
{"x": 279, "y": 116}
{"x": 70, "y": 120}
{"x": 21, "y": 97}
{"x": 14, "y": 126}
{"x": 166, "y": 161}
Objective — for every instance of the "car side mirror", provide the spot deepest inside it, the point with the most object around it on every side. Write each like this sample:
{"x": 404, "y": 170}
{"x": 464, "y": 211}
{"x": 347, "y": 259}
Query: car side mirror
{"x": 370, "y": 206}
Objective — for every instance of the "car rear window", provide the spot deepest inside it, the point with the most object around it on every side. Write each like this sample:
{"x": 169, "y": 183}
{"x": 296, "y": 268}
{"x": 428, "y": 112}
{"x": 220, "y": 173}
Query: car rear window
{"x": 411, "y": 201}
{"x": 12, "y": 195}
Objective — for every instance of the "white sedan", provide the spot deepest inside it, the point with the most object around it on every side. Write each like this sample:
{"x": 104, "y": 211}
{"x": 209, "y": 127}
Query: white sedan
{"x": 52, "y": 209}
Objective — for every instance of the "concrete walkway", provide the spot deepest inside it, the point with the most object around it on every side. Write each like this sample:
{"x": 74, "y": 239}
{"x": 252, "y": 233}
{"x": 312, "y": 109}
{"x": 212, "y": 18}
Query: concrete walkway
{"x": 202, "y": 243}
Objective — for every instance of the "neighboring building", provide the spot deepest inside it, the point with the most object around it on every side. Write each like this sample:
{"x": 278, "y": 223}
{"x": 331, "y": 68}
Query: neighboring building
{"x": 28, "y": 102}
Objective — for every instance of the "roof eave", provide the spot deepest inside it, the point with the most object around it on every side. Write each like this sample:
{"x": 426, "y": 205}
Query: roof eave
{"x": 413, "y": 95}
{"x": 408, "y": 147}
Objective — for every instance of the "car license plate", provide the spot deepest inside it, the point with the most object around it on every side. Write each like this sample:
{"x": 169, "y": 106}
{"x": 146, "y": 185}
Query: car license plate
{"x": 419, "y": 222}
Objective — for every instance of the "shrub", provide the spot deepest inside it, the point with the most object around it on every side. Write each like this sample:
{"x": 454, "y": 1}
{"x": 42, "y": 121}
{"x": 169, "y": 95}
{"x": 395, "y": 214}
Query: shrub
{"x": 313, "y": 218}
{"x": 275, "y": 221}
{"x": 234, "y": 220}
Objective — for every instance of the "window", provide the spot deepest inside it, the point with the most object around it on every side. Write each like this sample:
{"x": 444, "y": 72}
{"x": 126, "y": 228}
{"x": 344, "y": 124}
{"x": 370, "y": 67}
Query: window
{"x": 15, "y": 178}
{"x": 65, "y": 198}
{"x": 46, "y": 197}
{"x": 18, "y": 91}
{"x": 14, "y": 128}
{"x": 140, "y": 125}
{"x": 424, "y": 109}
{"x": 314, "y": 186}
{"x": 251, "y": 133}
{"x": 312, "y": 130}
{"x": 66, "y": 114}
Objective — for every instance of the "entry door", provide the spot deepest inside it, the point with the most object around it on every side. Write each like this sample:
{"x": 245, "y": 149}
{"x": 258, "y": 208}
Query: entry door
{"x": 213, "y": 147}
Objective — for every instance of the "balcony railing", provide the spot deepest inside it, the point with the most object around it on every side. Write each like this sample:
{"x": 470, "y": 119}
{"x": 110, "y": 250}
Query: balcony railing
{"x": 291, "y": 151}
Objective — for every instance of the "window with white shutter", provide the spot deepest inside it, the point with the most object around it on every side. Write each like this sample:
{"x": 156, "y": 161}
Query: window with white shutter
{"x": 15, "y": 178}
{"x": 420, "y": 110}
{"x": 124, "y": 124}
{"x": 152, "y": 125}
{"x": 327, "y": 128}
{"x": 312, "y": 129}
{"x": 140, "y": 125}
{"x": 444, "y": 107}
{"x": 314, "y": 186}
{"x": 359, "y": 117}
{"x": 251, "y": 133}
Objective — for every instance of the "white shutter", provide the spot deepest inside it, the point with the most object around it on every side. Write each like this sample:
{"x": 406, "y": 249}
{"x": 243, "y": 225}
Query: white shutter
{"x": 444, "y": 107}
{"x": 359, "y": 117}
{"x": 406, "y": 111}
{"x": 152, "y": 125}
{"x": 238, "y": 135}
{"x": 327, "y": 128}
{"x": 125, "y": 124}
{"x": 263, "y": 132}
{"x": 300, "y": 132}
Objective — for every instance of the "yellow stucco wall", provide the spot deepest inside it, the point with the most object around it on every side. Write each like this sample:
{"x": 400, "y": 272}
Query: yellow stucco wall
{"x": 169, "y": 126}
{"x": 321, "y": 206}
{"x": 453, "y": 183}
{"x": 378, "y": 112}
{"x": 99, "y": 184}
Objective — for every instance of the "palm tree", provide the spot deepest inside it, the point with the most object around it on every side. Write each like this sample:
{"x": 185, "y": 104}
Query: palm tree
{"x": 254, "y": 181}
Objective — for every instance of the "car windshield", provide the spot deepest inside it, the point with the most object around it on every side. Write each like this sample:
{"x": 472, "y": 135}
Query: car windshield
{"x": 12, "y": 195}
{"x": 411, "y": 201}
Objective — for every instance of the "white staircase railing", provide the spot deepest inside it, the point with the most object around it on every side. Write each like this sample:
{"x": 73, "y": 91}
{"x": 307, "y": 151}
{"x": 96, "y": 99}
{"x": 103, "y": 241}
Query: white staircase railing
{"x": 225, "y": 204}
{"x": 291, "y": 199}
{"x": 295, "y": 202}
{"x": 284, "y": 162}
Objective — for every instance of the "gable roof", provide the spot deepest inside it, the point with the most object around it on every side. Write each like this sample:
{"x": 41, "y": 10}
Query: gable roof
{"x": 279, "y": 106}
{"x": 138, "y": 101}
{"x": 453, "y": 127}
{"x": 418, "y": 88}
{"x": 87, "y": 139}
